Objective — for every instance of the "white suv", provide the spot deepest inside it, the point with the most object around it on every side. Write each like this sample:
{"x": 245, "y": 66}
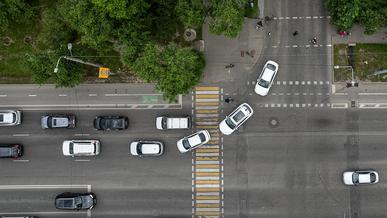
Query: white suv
{"x": 236, "y": 119}
{"x": 10, "y": 118}
{"x": 81, "y": 147}
{"x": 193, "y": 141}
{"x": 266, "y": 78}
{"x": 360, "y": 177}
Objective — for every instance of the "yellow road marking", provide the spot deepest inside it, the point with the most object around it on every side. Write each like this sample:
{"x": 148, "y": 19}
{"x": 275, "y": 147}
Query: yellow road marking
{"x": 207, "y": 174}
{"x": 206, "y": 88}
{"x": 207, "y": 197}
{"x": 207, "y": 213}
{"x": 206, "y": 96}
{"x": 206, "y": 111}
{"x": 207, "y": 150}
{"x": 207, "y": 158}
{"x": 207, "y": 205}
{"x": 207, "y": 189}
{"x": 207, "y": 103}
{"x": 207, "y": 182}
{"x": 212, "y": 166}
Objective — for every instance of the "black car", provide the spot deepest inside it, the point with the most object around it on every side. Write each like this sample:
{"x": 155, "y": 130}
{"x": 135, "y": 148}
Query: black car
{"x": 11, "y": 151}
{"x": 111, "y": 123}
{"x": 57, "y": 121}
{"x": 75, "y": 201}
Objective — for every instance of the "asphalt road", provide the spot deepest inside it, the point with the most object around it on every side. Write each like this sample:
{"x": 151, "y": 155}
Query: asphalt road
{"x": 125, "y": 186}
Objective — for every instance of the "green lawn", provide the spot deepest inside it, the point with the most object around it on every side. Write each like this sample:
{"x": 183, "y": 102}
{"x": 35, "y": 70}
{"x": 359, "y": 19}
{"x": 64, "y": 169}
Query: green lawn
{"x": 368, "y": 58}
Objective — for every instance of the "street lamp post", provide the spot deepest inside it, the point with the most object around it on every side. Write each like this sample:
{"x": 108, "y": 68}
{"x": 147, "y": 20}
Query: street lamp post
{"x": 353, "y": 82}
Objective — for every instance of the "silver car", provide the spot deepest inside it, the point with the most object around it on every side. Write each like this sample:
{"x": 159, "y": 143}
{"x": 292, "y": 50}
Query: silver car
{"x": 236, "y": 119}
{"x": 10, "y": 118}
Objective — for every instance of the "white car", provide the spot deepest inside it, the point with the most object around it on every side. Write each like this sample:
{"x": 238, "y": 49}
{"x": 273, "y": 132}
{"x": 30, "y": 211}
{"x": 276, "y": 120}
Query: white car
{"x": 10, "y": 118}
{"x": 360, "y": 177}
{"x": 193, "y": 141}
{"x": 146, "y": 148}
{"x": 163, "y": 122}
{"x": 81, "y": 148}
{"x": 236, "y": 119}
{"x": 266, "y": 79}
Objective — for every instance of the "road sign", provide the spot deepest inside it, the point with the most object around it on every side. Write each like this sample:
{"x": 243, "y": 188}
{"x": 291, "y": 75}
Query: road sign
{"x": 104, "y": 72}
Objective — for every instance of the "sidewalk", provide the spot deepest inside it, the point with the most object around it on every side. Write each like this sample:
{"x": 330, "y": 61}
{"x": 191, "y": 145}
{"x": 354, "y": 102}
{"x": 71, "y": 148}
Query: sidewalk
{"x": 358, "y": 36}
{"x": 221, "y": 51}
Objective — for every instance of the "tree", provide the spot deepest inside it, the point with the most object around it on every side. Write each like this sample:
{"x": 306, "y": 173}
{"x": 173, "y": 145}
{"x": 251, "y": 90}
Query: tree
{"x": 191, "y": 13}
{"x": 175, "y": 70}
{"x": 226, "y": 17}
{"x": 370, "y": 13}
{"x": 42, "y": 67}
{"x": 14, "y": 11}
{"x": 343, "y": 12}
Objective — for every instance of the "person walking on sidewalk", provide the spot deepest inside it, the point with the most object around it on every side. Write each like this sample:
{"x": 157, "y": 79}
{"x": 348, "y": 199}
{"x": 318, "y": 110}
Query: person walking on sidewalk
{"x": 295, "y": 33}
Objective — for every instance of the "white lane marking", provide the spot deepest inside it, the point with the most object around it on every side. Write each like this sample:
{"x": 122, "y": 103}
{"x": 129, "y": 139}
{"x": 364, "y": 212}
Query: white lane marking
{"x": 43, "y": 212}
{"x": 3, "y": 95}
{"x": 373, "y": 93}
{"x": 81, "y": 134}
{"x": 88, "y": 213}
{"x": 92, "y": 95}
{"x": 82, "y": 160}
{"x": 32, "y": 95}
{"x": 14, "y": 187}
{"x": 21, "y": 135}
{"x": 23, "y": 160}
{"x": 207, "y": 185}
{"x": 208, "y": 201}
{"x": 62, "y": 95}
{"x": 208, "y": 193}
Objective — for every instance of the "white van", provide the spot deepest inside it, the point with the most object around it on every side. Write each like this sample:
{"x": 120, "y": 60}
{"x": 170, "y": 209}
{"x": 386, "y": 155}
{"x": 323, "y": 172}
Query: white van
{"x": 163, "y": 122}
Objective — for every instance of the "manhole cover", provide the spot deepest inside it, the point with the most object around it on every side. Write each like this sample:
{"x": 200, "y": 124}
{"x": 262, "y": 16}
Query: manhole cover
{"x": 273, "y": 122}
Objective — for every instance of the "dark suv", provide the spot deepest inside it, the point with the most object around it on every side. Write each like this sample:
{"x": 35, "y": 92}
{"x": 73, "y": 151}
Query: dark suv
{"x": 75, "y": 201}
{"x": 11, "y": 151}
{"x": 111, "y": 123}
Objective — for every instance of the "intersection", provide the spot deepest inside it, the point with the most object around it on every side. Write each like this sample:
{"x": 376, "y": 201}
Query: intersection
{"x": 287, "y": 160}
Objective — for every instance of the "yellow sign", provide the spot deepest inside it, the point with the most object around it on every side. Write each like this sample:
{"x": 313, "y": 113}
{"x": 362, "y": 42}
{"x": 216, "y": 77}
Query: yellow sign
{"x": 104, "y": 72}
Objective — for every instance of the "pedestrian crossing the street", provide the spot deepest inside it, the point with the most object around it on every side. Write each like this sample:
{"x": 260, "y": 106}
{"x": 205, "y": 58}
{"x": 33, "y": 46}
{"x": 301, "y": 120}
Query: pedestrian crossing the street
{"x": 207, "y": 160}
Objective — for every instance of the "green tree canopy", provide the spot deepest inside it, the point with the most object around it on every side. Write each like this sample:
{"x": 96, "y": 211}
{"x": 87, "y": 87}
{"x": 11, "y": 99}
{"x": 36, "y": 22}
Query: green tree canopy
{"x": 370, "y": 13}
{"x": 191, "y": 13}
{"x": 14, "y": 11}
{"x": 175, "y": 70}
{"x": 226, "y": 17}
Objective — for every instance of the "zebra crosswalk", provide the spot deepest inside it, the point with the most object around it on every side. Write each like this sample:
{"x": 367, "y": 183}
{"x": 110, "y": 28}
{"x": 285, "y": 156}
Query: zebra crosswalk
{"x": 207, "y": 169}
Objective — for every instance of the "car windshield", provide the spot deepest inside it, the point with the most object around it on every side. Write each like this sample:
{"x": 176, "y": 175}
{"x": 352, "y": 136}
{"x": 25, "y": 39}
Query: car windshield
{"x": 230, "y": 123}
{"x": 78, "y": 202}
{"x": 71, "y": 148}
{"x": 49, "y": 122}
{"x": 1, "y": 118}
{"x": 238, "y": 116}
{"x": 264, "y": 83}
{"x": 271, "y": 67}
{"x": 202, "y": 137}
{"x": 373, "y": 177}
{"x": 164, "y": 122}
{"x": 355, "y": 178}
{"x": 5, "y": 151}
{"x": 139, "y": 152}
{"x": 186, "y": 144}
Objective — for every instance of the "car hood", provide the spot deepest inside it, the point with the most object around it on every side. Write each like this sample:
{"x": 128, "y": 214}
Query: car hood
{"x": 87, "y": 201}
{"x": 159, "y": 122}
{"x": 180, "y": 146}
{"x": 261, "y": 90}
{"x": 347, "y": 178}
{"x": 133, "y": 148}
{"x": 224, "y": 128}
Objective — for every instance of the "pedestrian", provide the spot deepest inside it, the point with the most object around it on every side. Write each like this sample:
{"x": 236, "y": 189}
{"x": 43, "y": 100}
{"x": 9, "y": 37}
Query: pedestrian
{"x": 269, "y": 33}
{"x": 228, "y": 100}
{"x": 314, "y": 40}
{"x": 295, "y": 33}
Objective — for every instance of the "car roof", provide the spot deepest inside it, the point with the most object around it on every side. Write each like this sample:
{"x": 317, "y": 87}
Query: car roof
{"x": 150, "y": 148}
{"x": 267, "y": 74}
